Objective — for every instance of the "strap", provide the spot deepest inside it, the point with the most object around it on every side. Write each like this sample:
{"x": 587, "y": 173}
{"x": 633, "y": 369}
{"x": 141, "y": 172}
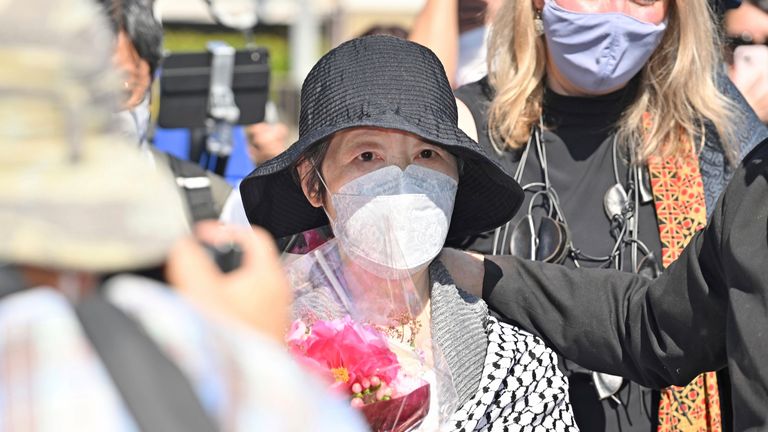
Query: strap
{"x": 194, "y": 182}
{"x": 155, "y": 391}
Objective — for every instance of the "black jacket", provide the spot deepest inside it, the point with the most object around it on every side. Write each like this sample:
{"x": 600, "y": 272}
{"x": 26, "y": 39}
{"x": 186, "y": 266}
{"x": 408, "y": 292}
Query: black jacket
{"x": 709, "y": 309}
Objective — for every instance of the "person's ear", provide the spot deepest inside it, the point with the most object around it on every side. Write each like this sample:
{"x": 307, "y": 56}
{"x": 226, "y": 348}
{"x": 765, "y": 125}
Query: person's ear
{"x": 304, "y": 169}
{"x": 538, "y": 4}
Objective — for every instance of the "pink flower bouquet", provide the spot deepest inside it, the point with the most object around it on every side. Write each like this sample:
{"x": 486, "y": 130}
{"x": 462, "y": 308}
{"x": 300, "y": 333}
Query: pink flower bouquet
{"x": 357, "y": 360}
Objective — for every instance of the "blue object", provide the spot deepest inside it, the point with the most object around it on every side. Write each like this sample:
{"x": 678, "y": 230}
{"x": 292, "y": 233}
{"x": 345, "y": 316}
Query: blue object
{"x": 176, "y": 143}
{"x": 598, "y": 52}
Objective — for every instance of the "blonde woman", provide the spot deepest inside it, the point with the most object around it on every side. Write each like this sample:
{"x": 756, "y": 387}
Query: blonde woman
{"x": 615, "y": 119}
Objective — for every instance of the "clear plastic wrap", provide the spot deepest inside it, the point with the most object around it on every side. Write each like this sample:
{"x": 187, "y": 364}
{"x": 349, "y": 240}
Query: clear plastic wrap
{"x": 362, "y": 314}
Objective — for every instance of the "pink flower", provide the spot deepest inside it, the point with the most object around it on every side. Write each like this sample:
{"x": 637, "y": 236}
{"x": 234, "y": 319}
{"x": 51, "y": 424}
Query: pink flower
{"x": 347, "y": 352}
{"x": 298, "y": 333}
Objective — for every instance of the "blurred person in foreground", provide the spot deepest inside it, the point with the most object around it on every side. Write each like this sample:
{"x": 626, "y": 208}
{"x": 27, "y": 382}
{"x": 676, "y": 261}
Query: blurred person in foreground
{"x": 138, "y": 46}
{"x": 137, "y": 55}
{"x": 747, "y": 30}
{"x": 87, "y": 345}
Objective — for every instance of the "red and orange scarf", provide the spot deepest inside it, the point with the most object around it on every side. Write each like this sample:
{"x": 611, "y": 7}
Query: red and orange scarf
{"x": 678, "y": 194}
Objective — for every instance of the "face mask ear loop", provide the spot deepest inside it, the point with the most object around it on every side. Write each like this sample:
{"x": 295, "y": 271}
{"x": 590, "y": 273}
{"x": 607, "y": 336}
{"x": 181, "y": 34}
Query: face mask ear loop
{"x": 322, "y": 180}
{"x": 325, "y": 185}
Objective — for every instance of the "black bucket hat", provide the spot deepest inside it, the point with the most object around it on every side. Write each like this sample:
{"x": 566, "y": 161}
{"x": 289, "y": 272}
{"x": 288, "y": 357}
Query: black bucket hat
{"x": 386, "y": 82}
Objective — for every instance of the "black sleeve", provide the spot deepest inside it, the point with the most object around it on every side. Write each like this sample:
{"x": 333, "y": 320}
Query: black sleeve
{"x": 744, "y": 244}
{"x": 655, "y": 333}
{"x": 709, "y": 306}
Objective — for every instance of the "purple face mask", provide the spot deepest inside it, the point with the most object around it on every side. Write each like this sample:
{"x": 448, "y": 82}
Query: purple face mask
{"x": 598, "y": 52}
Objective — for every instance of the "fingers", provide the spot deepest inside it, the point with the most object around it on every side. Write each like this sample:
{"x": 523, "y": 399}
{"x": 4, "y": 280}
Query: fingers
{"x": 257, "y": 245}
{"x": 189, "y": 268}
{"x": 259, "y": 248}
{"x": 257, "y": 293}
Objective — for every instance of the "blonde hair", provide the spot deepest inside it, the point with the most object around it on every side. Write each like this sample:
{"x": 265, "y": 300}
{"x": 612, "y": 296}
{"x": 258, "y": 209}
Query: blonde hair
{"x": 678, "y": 84}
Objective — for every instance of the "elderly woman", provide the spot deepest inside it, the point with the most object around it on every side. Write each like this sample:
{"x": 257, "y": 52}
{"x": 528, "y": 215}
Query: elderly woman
{"x": 379, "y": 121}
{"x": 616, "y": 119}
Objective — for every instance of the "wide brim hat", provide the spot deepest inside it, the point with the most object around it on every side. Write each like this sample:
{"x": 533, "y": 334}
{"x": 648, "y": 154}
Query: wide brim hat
{"x": 73, "y": 195}
{"x": 384, "y": 82}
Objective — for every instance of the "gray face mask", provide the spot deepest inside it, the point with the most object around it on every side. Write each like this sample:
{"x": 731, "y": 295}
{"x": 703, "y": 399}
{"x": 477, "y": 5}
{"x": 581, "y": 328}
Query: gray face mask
{"x": 598, "y": 52}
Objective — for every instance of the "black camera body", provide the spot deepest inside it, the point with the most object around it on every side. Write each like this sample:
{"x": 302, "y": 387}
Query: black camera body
{"x": 227, "y": 257}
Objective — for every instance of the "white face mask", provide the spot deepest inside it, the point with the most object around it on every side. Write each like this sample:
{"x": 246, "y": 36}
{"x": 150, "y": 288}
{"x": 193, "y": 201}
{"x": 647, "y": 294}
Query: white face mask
{"x": 393, "y": 222}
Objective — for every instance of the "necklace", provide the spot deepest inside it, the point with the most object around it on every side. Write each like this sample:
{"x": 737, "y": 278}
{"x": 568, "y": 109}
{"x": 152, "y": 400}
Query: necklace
{"x": 547, "y": 237}
{"x": 402, "y": 327}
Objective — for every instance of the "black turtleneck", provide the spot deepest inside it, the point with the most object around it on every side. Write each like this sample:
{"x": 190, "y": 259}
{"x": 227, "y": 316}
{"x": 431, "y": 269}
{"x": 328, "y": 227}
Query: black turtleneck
{"x": 578, "y": 140}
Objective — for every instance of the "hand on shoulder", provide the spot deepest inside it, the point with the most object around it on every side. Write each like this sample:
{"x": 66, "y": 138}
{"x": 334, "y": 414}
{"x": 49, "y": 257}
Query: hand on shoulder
{"x": 466, "y": 269}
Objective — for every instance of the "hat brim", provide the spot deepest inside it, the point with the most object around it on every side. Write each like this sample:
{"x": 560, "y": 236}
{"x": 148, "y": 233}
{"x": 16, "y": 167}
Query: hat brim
{"x": 486, "y": 198}
{"x": 110, "y": 211}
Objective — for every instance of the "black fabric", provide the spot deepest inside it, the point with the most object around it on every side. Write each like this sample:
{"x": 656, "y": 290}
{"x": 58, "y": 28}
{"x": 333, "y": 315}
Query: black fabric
{"x": 579, "y": 154}
{"x": 709, "y": 308}
{"x": 158, "y": 395}
{"x": 385, "y": 82}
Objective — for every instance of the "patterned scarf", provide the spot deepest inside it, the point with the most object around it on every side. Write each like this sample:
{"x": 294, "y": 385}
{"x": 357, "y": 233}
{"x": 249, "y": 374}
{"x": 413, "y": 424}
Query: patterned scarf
{"x": 678, "y": 194}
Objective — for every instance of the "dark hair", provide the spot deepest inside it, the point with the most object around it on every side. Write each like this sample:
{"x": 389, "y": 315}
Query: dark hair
{"x": 391, "y": 30}
{"x": 315, "y": 155}
{"x": 137, "y": 20}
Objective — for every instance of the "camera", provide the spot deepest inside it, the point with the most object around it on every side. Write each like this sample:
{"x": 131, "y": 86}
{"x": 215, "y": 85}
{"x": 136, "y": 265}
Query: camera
{"x": 227, "y": 257}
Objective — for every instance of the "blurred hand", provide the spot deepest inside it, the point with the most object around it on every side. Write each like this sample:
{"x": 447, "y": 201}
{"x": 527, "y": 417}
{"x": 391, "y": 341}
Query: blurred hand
{"x": 747, "y": 20}
{"x": 266, "y": 140}
{"x": 257, "y": 293}
{"x": 749, "y": 73}
{"x": 133, "y": 69}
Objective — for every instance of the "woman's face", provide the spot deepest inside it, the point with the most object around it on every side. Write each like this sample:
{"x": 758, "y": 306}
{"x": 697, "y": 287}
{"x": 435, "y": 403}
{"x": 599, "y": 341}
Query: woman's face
{"x": 653, "y": 12}
{"x": 650, "y": 11}
{"x": 357, "y": 151}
